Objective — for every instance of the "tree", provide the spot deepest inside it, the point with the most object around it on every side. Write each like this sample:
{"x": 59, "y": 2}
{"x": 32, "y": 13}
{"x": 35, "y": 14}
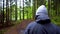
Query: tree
{"x": 28, "y": 8}
{"x": 16, "y": 10}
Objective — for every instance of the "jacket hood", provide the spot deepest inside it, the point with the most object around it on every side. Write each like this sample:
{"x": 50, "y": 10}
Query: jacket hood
{"x": 42, "y": 13}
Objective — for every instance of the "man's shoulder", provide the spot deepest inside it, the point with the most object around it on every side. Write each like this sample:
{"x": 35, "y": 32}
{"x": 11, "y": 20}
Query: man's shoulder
{"x": 31, "y": 24}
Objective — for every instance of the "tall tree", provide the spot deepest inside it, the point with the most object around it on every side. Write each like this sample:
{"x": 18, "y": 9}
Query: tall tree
{"x": 11, "y": 9}
{"x": 49, "y": 7}
{"x": 34, "y": 8}
{"x": 55, "y": 6}
{"x": 23, "y": 9}
{"x": 16, "y": 10}
{"x": 7, "y": 11}
{"x": 20, "y": 9}
{"x": 3, "y": 13}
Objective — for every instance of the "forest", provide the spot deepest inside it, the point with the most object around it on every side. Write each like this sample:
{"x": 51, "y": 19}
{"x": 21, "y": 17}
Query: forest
{"x": 13, "y": 12}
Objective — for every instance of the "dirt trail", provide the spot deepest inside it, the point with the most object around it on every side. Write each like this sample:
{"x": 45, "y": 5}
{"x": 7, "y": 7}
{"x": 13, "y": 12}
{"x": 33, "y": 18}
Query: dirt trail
{"x": 19, "y": 29}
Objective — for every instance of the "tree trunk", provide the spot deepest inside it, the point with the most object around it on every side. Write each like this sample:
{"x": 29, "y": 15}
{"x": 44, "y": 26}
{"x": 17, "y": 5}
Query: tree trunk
{"x": 3, "y": 13}
{"x": 48, "y": 6}
{"x": 34, "y": 8}
{"x": 10, "y": 10}
{"x": 7, "y": 11}
{"x": 20, "y": 9}
{"x": 23, "y": 9}
{"x": 16, "y": 10}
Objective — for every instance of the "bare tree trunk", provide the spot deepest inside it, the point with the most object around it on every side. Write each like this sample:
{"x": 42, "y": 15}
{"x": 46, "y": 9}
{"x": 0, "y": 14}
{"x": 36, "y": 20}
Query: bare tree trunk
{"x": 7, "y": 11}
{"x": 10, "y": 10}
{"x": 20, "y": 9}
{"x": 23, "y": 9}
{"x": 34, "y": 9}
{"x": 3, "y": 14}
{"x": 49, "y": 8}
{"x": 57, "y": 7}
{"x": 16, "y": 10}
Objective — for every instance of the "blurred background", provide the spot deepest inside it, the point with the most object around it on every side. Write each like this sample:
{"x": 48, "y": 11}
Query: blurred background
{"x": 15, "y": 15}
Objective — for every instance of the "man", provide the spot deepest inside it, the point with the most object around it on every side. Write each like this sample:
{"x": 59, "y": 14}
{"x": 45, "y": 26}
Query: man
{"x": 42, "y": 24}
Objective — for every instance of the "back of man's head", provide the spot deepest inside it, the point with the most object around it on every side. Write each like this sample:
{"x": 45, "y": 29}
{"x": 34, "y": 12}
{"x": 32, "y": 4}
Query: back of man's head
{"x": 42, "y": 13}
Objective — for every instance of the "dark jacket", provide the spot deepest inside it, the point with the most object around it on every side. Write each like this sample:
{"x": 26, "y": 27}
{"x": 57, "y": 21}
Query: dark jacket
{"x": 39, "y": 28}
{"x": 42, "y": 24}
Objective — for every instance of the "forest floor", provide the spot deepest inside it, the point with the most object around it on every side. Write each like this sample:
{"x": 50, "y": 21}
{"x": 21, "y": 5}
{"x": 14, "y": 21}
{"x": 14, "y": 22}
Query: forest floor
{"x": 18, "y": 29}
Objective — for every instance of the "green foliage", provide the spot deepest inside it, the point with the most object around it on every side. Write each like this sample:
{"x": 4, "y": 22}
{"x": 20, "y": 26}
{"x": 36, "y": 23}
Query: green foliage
{"x": 56, "y": 20}
{"x": 28, "y": 10}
